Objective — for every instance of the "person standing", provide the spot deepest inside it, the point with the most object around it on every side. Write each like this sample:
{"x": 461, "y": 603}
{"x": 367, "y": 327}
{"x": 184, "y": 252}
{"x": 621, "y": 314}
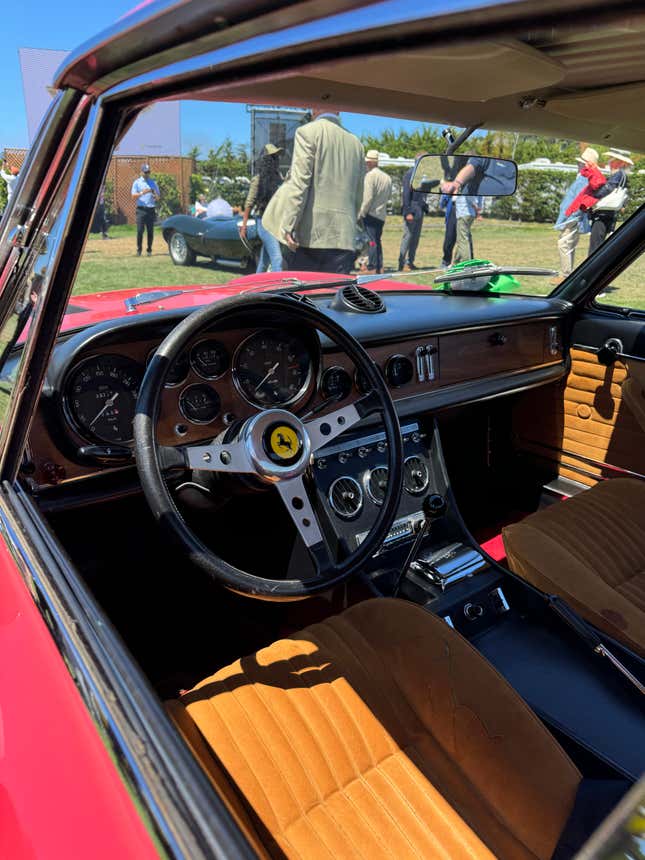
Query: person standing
{"x": 377, "y": 189}
{"x": 603, "y": 218}
{"x": 414, "y": 208}
{"x": 10, "y": 176}
{"x": 467, "y": 208}
{"x": 572, "y": 226}
{"x": 145, "y": 192}
{"x": 201, "y": 207}
{"x": 447, "y": 203}
{"x": 314, "y": 212}
{"x": 263, "y": 186}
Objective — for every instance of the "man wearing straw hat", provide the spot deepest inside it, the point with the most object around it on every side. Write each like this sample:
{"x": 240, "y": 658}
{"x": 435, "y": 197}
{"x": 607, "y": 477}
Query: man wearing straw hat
{"x": 571, "y": 226}
{"x": 377, "y": 188}
{"x": 604, "y": 216}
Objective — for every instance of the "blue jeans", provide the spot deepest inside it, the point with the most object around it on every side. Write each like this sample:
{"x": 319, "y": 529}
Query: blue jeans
{"x": 270, "y": 252}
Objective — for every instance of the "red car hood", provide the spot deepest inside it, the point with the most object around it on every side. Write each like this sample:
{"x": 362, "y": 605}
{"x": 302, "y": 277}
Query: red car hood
{"x": 99, "y": 307}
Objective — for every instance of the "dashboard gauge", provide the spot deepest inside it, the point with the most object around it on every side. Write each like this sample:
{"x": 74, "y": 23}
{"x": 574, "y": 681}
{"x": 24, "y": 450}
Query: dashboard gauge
{"x": 100, "y": 397}
{"x": 399, "y": 370}
{"x": 362, "y": 382}
{"x": 272, "y": 368}
{"x": 199, "y": 404}
{"x": 178, "y": 371}
{"x": 415, "y": 475}
{"x": 209, "y": 359}
{"x": 336, "y": 383}
{"x": 376, "y": 484}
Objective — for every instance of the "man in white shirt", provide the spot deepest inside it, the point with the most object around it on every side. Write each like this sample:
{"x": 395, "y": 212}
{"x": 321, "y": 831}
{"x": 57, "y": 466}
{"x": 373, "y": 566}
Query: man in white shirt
{"x": 10, "y": 176}
{"x": 377, "y": 189}
{"x": 145, "y": 192}
{"x": 467, "y": 208}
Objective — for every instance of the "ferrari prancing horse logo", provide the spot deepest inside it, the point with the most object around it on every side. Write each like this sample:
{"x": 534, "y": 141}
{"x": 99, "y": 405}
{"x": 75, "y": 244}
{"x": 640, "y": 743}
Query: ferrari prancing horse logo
{"x": 284, "y": 442}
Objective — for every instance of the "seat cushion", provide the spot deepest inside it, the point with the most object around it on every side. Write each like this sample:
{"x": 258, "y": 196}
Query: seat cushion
{"x": 591, "y": 551}
{"x": 382, "y": 733}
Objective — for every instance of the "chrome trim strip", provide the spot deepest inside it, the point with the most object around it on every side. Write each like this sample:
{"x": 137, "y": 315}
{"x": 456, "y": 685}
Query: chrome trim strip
{"x": 158, "y": 770}
{"x": 590, "y": 461}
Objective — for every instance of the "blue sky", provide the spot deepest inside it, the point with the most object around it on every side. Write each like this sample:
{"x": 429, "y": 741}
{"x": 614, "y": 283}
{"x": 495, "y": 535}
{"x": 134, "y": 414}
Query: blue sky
{"x": 64, "y": 24}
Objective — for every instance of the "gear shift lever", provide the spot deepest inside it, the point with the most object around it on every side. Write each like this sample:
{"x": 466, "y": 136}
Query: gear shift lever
{"x": 434, "y": 507}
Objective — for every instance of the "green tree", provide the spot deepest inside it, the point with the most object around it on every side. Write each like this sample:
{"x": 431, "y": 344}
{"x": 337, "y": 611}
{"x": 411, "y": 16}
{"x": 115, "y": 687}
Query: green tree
{"x": 170, "y": 202}
{"x": 228, "y": 159}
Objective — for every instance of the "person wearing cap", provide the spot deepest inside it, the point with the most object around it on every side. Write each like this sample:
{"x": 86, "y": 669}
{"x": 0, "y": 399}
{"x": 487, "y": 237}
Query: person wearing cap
{"x": 145, "y": 192}
{"x": 377, "y": 188}
{"x": 603, "y": 220}
{"x": 572, "y": 226}
{"x": 263, "y": 186}
{"x": 314, "y": 212}
{"x": 10, "y": 176}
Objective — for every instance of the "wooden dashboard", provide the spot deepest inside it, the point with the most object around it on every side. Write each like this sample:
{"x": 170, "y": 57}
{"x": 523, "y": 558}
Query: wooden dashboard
{"x": 431, "y": 363}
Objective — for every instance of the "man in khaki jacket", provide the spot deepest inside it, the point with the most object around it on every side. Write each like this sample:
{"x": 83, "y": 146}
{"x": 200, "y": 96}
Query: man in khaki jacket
{"x": 314, "y": 212}
{"x": 377, "y": 190}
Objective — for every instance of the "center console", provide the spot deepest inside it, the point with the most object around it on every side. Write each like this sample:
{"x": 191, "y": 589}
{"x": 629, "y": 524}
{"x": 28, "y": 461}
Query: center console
{"x": 448, "y": 573}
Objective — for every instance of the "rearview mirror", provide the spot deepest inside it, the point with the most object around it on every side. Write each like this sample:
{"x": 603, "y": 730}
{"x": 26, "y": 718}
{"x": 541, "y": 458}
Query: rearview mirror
{"x": 464, "y": 175}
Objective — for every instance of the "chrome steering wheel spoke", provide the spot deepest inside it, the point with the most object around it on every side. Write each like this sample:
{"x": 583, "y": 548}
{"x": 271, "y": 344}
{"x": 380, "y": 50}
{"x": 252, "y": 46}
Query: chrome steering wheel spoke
{"x": 321, "y": 431}
{"x": 294, "y": 495}
{"x": 225, "y": 457}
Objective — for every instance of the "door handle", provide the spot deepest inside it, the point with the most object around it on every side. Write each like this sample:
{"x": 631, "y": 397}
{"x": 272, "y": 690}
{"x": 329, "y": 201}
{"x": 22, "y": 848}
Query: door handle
{"x": 611, "y": 350}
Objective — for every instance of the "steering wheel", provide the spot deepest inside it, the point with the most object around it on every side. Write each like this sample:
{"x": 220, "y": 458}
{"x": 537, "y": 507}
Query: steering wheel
{"x": 253, "y": 450}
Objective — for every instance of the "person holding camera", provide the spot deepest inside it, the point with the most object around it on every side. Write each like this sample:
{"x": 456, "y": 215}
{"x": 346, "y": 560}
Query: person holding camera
{"x": 145, "y": 192}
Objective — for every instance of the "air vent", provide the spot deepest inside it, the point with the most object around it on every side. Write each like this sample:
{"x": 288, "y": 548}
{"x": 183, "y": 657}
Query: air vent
{"x": 359, "y": 300}
{"x": 415, "y": 476}
{"x": 346, "y": 497}
{"x": 376, "y": 484}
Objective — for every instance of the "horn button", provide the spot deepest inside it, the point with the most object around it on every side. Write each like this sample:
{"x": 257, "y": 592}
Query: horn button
{"x": 277, "y": 444}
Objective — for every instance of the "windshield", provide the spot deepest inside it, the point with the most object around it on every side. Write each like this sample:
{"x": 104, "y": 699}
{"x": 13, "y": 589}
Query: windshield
{"x": 187, "y": 227}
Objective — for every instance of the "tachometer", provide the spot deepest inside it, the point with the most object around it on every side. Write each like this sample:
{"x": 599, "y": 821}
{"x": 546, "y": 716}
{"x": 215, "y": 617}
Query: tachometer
{"x": 272, "y": 368}
{"x": 100, "y": 397}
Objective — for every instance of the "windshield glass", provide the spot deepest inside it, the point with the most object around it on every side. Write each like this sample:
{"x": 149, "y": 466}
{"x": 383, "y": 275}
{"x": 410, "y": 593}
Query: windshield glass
{"x": 173, "y": 230}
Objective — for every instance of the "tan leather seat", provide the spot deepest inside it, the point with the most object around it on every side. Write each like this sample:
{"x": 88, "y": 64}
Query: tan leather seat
{"x": 591, "y": 551}
{"x": 380, "y": 733}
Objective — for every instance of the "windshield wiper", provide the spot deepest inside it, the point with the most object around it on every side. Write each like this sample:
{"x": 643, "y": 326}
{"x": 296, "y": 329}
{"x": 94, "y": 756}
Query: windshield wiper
{"x": 295, "y": 285}
{"x": 491, "y": 271}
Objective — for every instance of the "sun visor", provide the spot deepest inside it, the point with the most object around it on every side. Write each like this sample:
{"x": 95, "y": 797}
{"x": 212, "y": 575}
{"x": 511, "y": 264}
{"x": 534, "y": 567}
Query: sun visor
{"x": 466, "y": 72}
{"x": 619, "y": 107}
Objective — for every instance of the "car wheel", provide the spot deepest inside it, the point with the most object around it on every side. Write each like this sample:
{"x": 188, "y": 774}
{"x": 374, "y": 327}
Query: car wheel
{"x": 180, "y": 253}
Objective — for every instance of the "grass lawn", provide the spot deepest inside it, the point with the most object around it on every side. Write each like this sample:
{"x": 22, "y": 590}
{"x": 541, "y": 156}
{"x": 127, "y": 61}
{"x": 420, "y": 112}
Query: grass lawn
{"x": 113, "y": 264}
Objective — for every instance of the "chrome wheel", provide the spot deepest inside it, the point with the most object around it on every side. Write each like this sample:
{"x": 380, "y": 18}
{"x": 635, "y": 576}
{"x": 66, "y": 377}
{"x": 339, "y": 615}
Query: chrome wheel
{"x": 180, "y": 253}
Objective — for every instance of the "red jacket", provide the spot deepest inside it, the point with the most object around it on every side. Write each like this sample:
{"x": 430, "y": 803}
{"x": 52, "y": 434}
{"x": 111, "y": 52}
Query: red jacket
{"x": 586, "y": 199}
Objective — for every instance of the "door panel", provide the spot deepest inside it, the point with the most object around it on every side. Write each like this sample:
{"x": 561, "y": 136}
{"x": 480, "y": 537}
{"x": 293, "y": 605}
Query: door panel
{"x": 592, "y": 426}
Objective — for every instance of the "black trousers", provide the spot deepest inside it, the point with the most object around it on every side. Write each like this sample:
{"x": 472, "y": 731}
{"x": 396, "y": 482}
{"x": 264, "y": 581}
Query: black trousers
{"x": 145, "y": 221}
{"x": 602, "y": 223}
{"x": 337, "y": 262}
{"x": 450, "y": 236}
{"x": 374, "y": 229}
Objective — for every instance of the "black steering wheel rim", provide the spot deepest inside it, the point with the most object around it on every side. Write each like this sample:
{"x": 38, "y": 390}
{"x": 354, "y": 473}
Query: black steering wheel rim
{"x": 151, "y": 469}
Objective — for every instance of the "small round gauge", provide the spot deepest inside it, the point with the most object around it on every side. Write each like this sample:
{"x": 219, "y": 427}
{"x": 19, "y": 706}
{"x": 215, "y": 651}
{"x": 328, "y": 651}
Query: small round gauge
{"x": 177, "y": 372}
{"x": 335, "y": 384}
{"x": 415, "y": 475}
{"x": 362, "y": 382}
{"x": 209, "y": 359}
{"x": 100, "y": 397}
{"x": 272, "y": 368}
{"x": 199, "y": 404}
{"x": 399, "y": 370}
{"x": 376, "y": 484}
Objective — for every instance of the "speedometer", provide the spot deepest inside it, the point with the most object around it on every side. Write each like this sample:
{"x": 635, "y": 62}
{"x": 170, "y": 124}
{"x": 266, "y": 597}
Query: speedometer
{"x": 272, "y": 368}
{"x": 100, "y": 397}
